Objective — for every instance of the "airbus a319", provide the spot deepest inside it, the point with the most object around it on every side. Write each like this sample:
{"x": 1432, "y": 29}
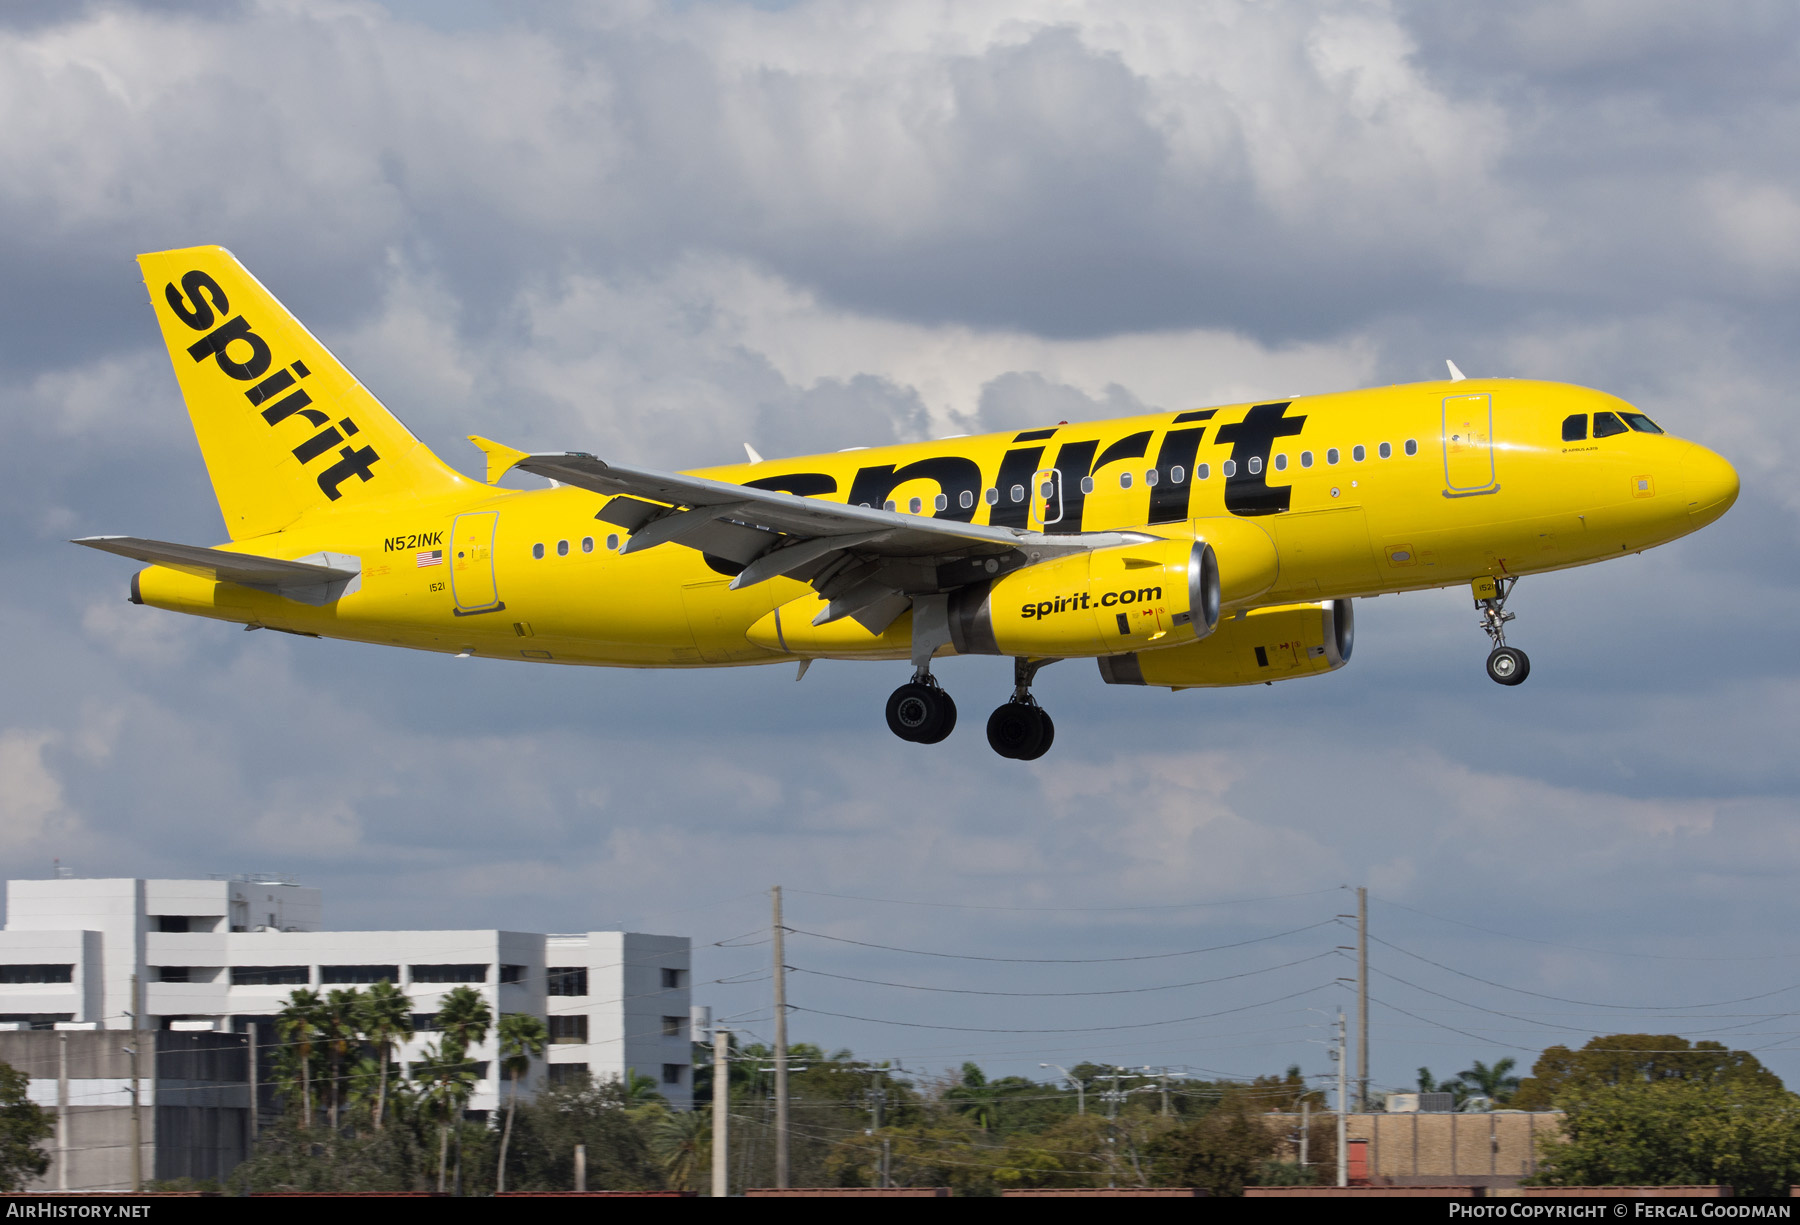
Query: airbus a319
{"x": 1193, "y": 549}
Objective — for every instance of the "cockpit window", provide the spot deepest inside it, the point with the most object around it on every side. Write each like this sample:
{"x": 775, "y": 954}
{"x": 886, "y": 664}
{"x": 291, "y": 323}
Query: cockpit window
{"x": 1607, "y": 424}
{"x": 1575, "y": 428}
{"x": 1641, "y": 423}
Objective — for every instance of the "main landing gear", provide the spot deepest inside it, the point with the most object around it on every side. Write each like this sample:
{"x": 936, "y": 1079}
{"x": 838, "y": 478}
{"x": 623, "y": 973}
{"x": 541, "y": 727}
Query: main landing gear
{"x": 1022, "y": 729}
{"x": 920, "y": 711}
{"x": 1505, "y": 665}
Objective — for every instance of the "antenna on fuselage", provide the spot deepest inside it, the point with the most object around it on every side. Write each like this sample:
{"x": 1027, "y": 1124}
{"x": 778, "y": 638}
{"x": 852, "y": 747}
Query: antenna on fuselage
{"x": 1456, "y": 376}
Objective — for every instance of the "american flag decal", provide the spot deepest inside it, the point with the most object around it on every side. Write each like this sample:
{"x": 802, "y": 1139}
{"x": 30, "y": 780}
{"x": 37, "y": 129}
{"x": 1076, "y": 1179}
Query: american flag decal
{"x": 430, "y": 557}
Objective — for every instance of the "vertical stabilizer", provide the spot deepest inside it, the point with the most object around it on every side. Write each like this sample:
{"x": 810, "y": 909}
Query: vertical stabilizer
{"x": 283, "y": 426}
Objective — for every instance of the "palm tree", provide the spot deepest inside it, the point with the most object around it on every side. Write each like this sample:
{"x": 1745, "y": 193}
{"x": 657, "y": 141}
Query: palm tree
{"x": 682, "y": 1142}
{"x": 464, "y": 1017}
{"x": 522, "y": 1039}
{"x": 445, "y": 1078}
{"x": 339, "y": 1025}
{"x": 385, "y": 1018}
{"x": 297, "y": 1024}
{"x": 1494, "y": 1083}
{"x": 640, "y": 1090}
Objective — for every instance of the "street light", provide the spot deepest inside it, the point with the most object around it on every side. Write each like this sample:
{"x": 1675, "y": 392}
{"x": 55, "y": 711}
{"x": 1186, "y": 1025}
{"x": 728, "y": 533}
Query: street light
{"x": 1080, "y": 1093}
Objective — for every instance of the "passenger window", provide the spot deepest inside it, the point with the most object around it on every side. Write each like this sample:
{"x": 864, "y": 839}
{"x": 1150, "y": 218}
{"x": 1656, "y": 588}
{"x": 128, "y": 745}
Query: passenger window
{"x": 1306, "y": 459}
{"x": 888, "y": 505}
{"x": 1150, "y": 477}
{"x": 1018, "y": 493}
{"x": 1607, "y": 424}
{"x": 1575, "y": 428}
{"x": 1641, "y": 423}
{"x": 966, "y": 499}
{"x": 1255, "y": 464}
{"x": 1358, "y": 454}
{"x": 1087, "y": 485}
{"x": 1203, "y": 472}
{"x": 1412, "y": 446}
{"x": 587, "y": 544}
{"x": 1331, "y": 455}
{"x": 1387, "y": 450}
{"x": 1229, "y": 467}
{"x": 993, "y": 497}
{"x": 1281, "y": 463}
{"x": 562, "y": 548}
{"x": 942, "y": 502}
{"x": 1124, "y": 480}
{"x": 612, "y": 542}
{"x": 537, "y": 551}
{"x": 914, "y": 506}
{"x": 1177, "y": 474}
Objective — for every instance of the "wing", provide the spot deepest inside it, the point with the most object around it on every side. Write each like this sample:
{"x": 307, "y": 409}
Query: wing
{"x": 868, "y": 564}
{"x": 310, "y": 582}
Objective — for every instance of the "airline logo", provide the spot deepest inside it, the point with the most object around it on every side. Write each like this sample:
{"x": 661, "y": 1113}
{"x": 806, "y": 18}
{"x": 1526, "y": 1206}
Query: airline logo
{"x": 243, "y": 355}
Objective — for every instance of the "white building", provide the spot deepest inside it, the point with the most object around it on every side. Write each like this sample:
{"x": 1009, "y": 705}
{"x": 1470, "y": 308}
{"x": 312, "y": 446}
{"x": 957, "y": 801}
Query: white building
{"x": 221, "y": 954}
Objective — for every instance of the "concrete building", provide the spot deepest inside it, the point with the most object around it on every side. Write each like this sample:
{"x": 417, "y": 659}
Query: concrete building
{"x": 223, "y": 954}
{"x": 1496, "y": 1148}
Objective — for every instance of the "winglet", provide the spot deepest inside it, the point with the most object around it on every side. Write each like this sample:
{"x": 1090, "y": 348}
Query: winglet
{"x": 1456, "y": 376}
{"x": 500, "y": 457}
{"x": 751, "y": 452}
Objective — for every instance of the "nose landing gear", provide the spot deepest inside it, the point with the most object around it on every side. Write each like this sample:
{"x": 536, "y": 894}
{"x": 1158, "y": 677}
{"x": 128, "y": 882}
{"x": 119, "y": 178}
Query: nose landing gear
{"x": 1022, "y": 729}
{"x": 920, "y": 710}
{"x": 1505, "y": 665}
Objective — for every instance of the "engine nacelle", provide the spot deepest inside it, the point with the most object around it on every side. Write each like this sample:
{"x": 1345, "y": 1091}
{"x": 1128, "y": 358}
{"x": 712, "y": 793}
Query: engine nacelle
{"x": 1254, "y": 647}
{"x": 1098, "y": 603}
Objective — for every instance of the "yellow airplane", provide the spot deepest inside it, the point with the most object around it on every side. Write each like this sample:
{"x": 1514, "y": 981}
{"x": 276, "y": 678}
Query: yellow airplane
{"x": 1217, "y": 546}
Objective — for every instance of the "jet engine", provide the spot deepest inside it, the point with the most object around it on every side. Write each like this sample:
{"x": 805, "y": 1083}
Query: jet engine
{"x": 1260, "y": 645}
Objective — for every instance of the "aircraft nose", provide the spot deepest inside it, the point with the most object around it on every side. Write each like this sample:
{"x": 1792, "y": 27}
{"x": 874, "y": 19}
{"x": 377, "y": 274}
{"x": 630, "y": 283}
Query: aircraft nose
{"x": 1711, "y": 483}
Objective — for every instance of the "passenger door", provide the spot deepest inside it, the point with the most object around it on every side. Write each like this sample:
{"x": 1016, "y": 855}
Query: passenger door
{"x": 1468, "y": 441}
{"x": 472, "y": 581}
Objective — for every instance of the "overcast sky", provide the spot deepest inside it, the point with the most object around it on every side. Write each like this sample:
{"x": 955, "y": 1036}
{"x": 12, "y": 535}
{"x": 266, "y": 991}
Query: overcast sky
{"x": 654, "y": 231}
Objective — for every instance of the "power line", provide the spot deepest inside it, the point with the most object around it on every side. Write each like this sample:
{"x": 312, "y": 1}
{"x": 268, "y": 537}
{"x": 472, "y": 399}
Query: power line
{"x": 1276, "y": 897}
{"x": 1078, "y": 1029}
{"x": 1065, "y": 994}
{"x": 1060, "y": 961}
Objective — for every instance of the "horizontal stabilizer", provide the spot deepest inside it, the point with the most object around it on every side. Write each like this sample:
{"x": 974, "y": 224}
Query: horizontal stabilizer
{"x": 309, "y": 582}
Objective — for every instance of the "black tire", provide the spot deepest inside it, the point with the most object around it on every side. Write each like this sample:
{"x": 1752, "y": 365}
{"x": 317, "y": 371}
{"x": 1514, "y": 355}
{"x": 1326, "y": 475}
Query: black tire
{"x": 945, "y": 720}
{"x": 1047, "y": 738}
{"x": 911, "y": 712}
{"x": 1014, "y": 729}
{"x": 1508, "y": 666}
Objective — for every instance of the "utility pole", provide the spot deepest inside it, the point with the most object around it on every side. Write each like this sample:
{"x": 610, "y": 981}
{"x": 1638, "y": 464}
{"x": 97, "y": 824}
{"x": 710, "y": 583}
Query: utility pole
{"x": 1305, "y": 1129}
{"x": 721, "y": 1110}
{"x": 1362, "y": 998}
{"x": 781, "y": 1078}
{"x": 1343, "y": 1155}
{"x": 137, "y": 1113}
{"x": 62, "y": 1112}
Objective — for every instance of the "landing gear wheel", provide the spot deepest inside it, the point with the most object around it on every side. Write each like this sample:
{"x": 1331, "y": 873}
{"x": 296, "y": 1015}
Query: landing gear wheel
{"x": 1021, "y": 731}
{"x": 1508, "y": 666}
{"x": 923, "y": 714}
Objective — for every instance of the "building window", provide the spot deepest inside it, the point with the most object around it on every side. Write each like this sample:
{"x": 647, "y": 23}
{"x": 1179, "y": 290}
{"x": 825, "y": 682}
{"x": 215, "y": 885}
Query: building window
{"x": 568, "y": 980}
{"x": 174, "y": 974}
{"x": 449, "y": 973}
{"x": 512, "y": 974}
{"x": 568, "y": 1073}
{"x": 424, "y": 1022}
{"x": 270, "y": 976}
{"x": 172, "y": 923}
{"x": 37, "y": 974}
{"x": 671, "y": 980}
{"x": 672, "y": 1073}
{"x": 359, "y": 974}
{"x": 672, "y": 1026}
{"x": 37, "y": 1020}
{"x": 568, "y": 1029}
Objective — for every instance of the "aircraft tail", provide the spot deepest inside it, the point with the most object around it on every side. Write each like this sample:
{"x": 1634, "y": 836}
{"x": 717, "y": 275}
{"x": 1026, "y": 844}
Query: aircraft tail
{"x": 283, "y": 426}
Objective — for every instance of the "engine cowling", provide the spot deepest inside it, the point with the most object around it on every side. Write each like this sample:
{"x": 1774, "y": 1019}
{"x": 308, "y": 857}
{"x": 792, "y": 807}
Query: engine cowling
{"x": 1096, "y": 603}
{"x": 1259, "y": 646}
